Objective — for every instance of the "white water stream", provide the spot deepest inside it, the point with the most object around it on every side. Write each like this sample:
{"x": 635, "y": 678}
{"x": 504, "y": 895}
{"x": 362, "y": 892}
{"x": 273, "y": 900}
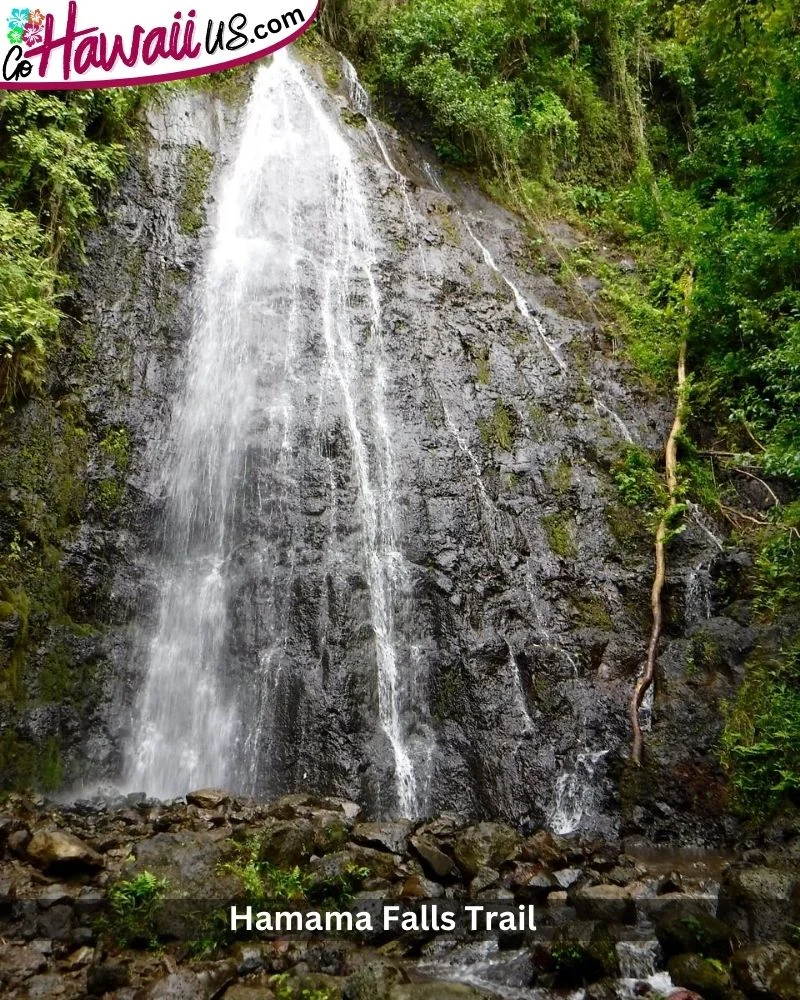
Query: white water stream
{"x": 243, "y": 387}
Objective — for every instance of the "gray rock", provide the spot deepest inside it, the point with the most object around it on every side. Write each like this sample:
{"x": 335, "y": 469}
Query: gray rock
{"x": 486, "y": 845}
{"x": 286, "y": 843}
{"x": 567, "y": 877}
{"x": 106, "y": 977}
{"x": 606, "y": 903}
{"x": 56, "y": 923}
{"x": 434, "y": 859}
{"x": 768, "y": 970}
{"x": 209, "y": 798}
{"x": 485, "y": 878}
{"x": 388, "y": 836}
{"x": 761, "y": 903}
{"x": 373, "y": 981}
{"x": 44, "y": 987}
{"x": 179, "y": 986}
{"x": 58, "y": 851}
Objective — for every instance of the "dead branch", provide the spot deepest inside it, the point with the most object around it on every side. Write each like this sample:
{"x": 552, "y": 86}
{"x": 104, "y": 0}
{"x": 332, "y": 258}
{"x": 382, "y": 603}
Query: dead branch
{"x": 749, "y": 475}
{"x": 646, "y": 680}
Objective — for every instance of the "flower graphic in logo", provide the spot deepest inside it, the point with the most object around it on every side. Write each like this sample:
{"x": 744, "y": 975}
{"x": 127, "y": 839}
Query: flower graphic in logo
{"x": 16, "y": 24}
{"x": 33, "y": 34}
{"x": 19, "y": 18}
{"x": 25, "y": 25}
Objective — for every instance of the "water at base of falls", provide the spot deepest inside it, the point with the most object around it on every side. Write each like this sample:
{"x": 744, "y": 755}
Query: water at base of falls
{"x": 278, "y": 343}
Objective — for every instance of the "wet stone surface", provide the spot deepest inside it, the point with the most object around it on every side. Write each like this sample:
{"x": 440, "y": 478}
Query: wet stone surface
{"x": 69, "y": 935}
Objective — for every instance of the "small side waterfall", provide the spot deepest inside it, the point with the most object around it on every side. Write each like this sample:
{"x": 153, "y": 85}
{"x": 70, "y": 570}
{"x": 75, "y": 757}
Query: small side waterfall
{"x": 289, "y": 325}
{"x": 575, "y": 793}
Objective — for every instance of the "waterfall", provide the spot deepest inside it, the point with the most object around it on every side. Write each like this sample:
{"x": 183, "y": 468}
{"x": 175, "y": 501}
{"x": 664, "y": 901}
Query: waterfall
{"x": 288, "y": 324}
{"x": 575, "y": 793}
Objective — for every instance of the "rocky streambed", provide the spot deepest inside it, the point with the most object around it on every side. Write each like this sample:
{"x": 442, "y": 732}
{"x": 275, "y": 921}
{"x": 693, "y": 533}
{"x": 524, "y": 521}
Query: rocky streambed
{"x": 131, "y": 899}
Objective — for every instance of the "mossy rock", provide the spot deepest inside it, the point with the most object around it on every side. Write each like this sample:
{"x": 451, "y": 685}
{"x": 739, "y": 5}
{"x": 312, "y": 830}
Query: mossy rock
{"x": 560, "y": 529}
{"x": 591, "y": 612}
{"x": 706, "y": 977}
{"x": 197, "y": 169}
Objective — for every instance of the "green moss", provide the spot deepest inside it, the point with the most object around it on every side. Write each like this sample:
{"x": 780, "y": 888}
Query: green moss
{"x": 704, "y": 654}
{"x": 31, "y": 766}
{"x": 539, "y": 421}
{"x": 314, "y": 49}
{"x": 591, "y": 611}
{"x": 197, "y": 167}
{"x": 353, "y": 118}
{"x": 230, "y": 85}
{"x": 110, "y": 493}
{"x": 445, "y": 220}
{"x": 560, "y": 478}
{"x": 629, "y": 529}
{"x": 116, "y": 443}
{"x": 500, "y": 430}
{"x": 561, "y": 530}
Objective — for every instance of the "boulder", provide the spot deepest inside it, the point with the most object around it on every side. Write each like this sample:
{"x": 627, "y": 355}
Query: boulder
{"x": 390, "y": 836}
{"x": 433, "y": 858}
{"x": 209, "y": 798}
{"x": 309, "y": 806}
{"x": 610, "y": 904}
{"x": 680, "y": 931}
{"x": 333, "y": 868}
{"x": 106, "y": 977}
{"x": 530, "y": 884}
{"x": 20, "y": 962}
{"x": 543, "y": 849}
{"x": 485, "y": 878}
{"x": 485, "y": 845}
{"x": 56, "y": 923}
{"x": 694, "y": 972}
{"x": 58, "y": 851}
{"x": 567, "y": 877}
{"x": 771, "y": 971}
{"x": 419, "y": 887}
{"x": 761, "y": 903}
{"x": 46, "y": 987}
{"x": 188, "y": 861}
{"x": 373, "y": 981}
{"x": 196, "y": 886}
{"x": 286, "y": 843}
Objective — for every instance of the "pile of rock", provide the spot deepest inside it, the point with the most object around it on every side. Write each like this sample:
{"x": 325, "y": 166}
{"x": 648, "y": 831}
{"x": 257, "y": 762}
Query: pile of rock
{"x": 722, "y": 926}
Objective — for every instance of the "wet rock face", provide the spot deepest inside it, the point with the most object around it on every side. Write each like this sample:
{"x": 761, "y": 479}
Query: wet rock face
{"x": 520, "y": 603}
{"x": 59, "y": 935}
{"x": 105, "y": 403}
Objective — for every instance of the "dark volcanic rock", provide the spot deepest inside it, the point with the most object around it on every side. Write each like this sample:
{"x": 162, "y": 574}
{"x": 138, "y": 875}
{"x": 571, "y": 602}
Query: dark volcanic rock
{"x": 769, "y": 971}
{"x": 696, "y": 973}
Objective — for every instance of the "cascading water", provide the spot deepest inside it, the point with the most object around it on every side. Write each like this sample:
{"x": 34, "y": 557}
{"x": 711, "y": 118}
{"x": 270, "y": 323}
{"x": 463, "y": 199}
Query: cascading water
{"x": 575, "y": 793}
{"x": 277, "y": 337}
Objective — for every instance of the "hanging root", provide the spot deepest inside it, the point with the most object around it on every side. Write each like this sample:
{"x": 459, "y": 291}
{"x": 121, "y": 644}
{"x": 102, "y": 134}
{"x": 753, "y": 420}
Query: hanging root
{"x": 647, "y": 677}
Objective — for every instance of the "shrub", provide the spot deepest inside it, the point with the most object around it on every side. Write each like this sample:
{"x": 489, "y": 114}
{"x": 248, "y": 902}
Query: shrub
{"x": 133, "y": 906}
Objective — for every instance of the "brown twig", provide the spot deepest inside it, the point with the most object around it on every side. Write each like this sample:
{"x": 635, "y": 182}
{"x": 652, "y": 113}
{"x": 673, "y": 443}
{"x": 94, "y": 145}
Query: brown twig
{"x": 743, "y": 472}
